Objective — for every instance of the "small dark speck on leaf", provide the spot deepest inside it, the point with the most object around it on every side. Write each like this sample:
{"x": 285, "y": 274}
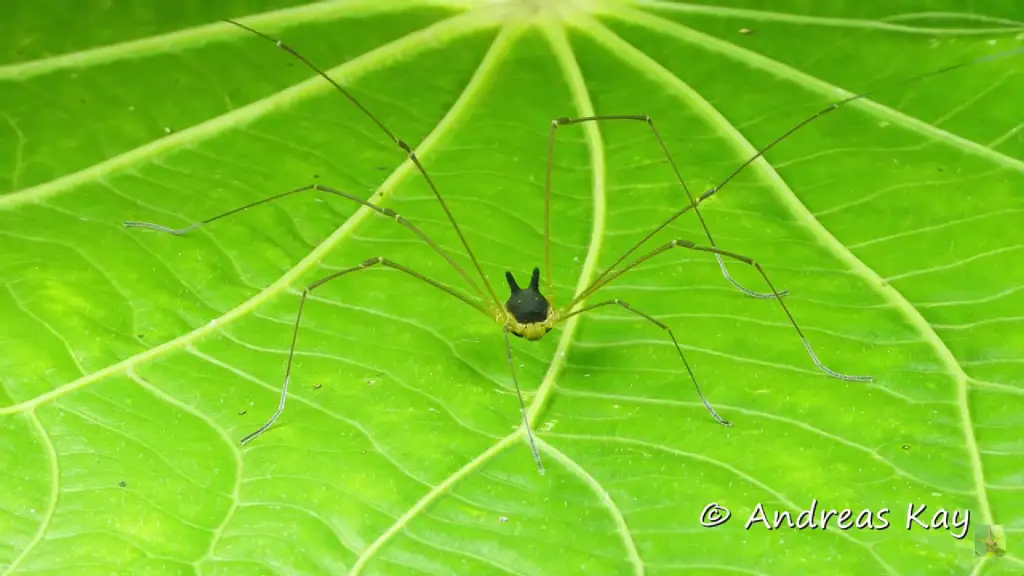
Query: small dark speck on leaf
{"x": 141, "y": 336}
{"x": 243, "y": 412}
{"x": 122, "y": 484}
{"x": 317, "y": 386}
{"x": 315, "y": 176}
{"x": 905, "y": 446}
{"x": 746, "y": 31}
{"x": 382, "y": 168}
{"x": 941, "y": 169}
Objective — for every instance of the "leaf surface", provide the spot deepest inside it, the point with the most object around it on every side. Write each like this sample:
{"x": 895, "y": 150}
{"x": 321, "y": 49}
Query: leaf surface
{"x": 132, "y": 362}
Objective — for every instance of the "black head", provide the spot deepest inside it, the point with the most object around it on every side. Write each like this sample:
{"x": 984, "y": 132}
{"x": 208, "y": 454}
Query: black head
{"x": 527, "y": 306}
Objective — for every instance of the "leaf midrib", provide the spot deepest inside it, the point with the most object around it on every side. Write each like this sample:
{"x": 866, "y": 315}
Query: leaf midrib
{"x": 581, "y": 100}
{"x": 815, "y": 20}
{"x": 791, "y": 201}
{"x": 178, "y": 40}
{"x": 445, "y": 31}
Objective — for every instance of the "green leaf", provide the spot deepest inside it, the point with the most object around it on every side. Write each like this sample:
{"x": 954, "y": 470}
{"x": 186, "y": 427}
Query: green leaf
{"x": 132, "y": 361}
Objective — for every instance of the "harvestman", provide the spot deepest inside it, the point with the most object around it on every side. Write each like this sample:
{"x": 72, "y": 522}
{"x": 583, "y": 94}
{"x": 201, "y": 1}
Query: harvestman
{"x": 528, "y": 313}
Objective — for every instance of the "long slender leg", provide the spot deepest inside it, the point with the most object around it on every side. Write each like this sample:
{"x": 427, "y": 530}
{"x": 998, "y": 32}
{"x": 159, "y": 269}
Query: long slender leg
{"x": 318, "y": 188}
{"x": 760, "y": 152}
{"x": 691, "y": 246}
{"x": 675, "y": 342}
{"x": 522, "y": 404}
{"x": 379, "y": 261}
{"x": 839, "y": 103}
{"x": 555, "y": 124}
{"x": 398, "y": 142}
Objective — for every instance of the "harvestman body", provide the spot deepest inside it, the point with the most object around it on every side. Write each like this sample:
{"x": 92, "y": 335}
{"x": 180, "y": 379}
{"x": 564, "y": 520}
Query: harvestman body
{"x": 527, "y": 313}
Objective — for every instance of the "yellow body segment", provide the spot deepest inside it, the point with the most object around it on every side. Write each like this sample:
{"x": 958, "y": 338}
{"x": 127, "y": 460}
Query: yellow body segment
{"x": 534, "y": 331}
{"x": 531, "y": 330}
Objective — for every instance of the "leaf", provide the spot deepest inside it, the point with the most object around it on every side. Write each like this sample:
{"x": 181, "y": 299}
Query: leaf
{"x": 134, "y": 361}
